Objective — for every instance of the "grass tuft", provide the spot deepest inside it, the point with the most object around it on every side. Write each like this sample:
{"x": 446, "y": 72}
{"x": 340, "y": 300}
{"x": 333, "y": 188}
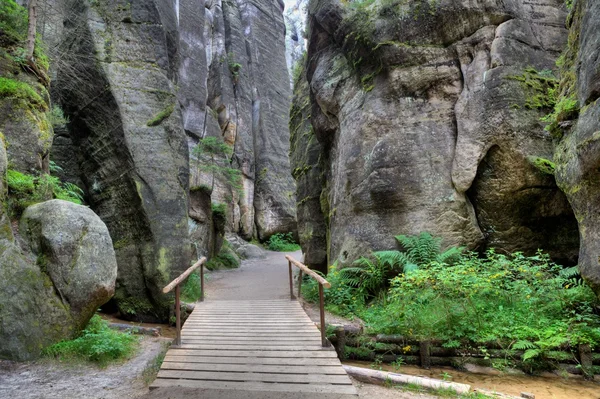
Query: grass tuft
{"x": 98, "y": 343}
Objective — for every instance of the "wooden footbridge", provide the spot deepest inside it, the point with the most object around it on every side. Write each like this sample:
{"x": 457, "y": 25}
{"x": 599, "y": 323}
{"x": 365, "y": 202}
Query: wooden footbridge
{"x": 254, "y": 346}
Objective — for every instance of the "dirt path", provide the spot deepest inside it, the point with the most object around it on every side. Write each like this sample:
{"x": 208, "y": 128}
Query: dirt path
{"x": 255, "y": 279}
{"x": 51, "y": 379}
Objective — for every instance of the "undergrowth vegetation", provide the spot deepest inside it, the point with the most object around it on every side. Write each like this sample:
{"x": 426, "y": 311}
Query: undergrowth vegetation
{"x": 282, "y": 242}
{"x": 98, "y": 343}
{"x": 25, "y": 190}
{"x": 526, "y": 303}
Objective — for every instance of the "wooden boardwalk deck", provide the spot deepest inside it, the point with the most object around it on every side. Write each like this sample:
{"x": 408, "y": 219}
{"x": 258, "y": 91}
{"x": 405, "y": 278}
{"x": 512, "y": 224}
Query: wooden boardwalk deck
{"x": 267, "y": 345}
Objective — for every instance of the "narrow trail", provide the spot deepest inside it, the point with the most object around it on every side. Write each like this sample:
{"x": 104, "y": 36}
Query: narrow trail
{"x": 255, "y": 279}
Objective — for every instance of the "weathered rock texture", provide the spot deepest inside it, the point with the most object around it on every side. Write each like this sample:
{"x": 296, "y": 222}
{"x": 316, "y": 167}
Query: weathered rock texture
{"x": 142, "y": 81}
{"x": 578, "y": 153}
{"x": 425, "y": 121}
{"x": 53, "y": 285}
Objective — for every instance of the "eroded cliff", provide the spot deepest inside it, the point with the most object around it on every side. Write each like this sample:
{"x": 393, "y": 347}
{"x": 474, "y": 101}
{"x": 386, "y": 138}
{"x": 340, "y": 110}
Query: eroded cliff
{"x": 426, "y": 117}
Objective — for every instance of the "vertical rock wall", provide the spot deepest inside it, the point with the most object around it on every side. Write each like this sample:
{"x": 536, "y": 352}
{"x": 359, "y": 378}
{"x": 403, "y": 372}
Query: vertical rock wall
{"x": 143, "y": 81}
{"x": 425, "y": 117}
{"x": 578, "y": 153}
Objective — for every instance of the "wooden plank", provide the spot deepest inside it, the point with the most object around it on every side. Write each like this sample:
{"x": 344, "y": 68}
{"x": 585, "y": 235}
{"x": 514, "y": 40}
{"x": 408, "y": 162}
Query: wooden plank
{"x": 254, "y": 353}
{"x": 254, "y": 368}
{"x": 251, "y": 337}
{"x": 266, "y": 377}
{"x": 256, "y": 386}
{"x": 293, "y": 361}
{"x": 227, "y": 342}
{"x": 251, "y": 347}
{"x": 235, "y": 334}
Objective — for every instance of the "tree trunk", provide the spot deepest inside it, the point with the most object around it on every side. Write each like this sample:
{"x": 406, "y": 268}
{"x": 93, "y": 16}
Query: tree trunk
{"x": 31, "y": 30}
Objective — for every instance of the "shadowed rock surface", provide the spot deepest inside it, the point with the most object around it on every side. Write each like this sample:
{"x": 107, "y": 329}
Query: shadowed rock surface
{"x": 427, "y": 122}
{"x": 142, "y": 82}
{"x": 578, "y": 153}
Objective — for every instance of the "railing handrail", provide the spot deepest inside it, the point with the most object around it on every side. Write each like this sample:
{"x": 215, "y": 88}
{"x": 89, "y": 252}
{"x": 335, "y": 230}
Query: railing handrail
{"x": 176, "y": 284}
{"x": 308, "y": 271}
{"x": 169, "y": 287}
{"x": 322, "y": 283}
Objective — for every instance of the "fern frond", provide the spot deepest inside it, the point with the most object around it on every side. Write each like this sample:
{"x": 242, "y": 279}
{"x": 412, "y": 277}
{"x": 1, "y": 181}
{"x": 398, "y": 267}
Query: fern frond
{"x": 523, "y": 345}
{"x": 451, "y": 255}
{"x": 570, "y": 272}
{"x": 388, "y": 259}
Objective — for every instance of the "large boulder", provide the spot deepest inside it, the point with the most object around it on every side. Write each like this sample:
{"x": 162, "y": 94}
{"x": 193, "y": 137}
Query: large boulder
{"x": 426, "y": 122}
{"x": 53, "y": 285}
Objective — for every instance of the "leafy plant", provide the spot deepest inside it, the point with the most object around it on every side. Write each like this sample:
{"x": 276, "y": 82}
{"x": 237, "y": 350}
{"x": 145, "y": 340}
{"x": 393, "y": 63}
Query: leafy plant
{"x": 215, "y": 154}
{"x": 234, "y": 66}
{"x": 190, "y": 289}
{"x": 98, "y": 343}
{"x": 25, "y": 190}
{"x": 282, "y": 242}
{"x": 56, "y": 117}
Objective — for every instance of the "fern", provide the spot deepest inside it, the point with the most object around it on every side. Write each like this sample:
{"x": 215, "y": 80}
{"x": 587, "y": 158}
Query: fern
{"x": 531, "y": 354}
{"x": 523, "y": 345}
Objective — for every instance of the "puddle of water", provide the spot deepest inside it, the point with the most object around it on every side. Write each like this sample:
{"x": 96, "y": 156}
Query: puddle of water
{"x": 165, "y": 330}
{"x": 542, "y": 387}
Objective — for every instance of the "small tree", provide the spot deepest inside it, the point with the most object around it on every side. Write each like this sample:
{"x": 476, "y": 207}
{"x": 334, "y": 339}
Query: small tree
{"x": 211, "y": 147}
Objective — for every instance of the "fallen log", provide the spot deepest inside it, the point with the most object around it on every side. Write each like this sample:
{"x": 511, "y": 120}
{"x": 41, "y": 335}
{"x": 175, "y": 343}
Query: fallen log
{"x": 154, "y": 331}
{"x": 383, "y": 377}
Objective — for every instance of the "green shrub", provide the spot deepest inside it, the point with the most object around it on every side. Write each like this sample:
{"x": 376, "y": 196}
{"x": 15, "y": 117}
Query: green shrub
{"x": 190, "y": 289}
{"x": 282, "y": 242}
{"x": 161, "y": 116}
{"x": 97, "y": 343}
{"x": 56, "y": 117}
{"x": 226, "y": 259}
{"x": 25, "y": 190}
{"x": 13, "y": 20}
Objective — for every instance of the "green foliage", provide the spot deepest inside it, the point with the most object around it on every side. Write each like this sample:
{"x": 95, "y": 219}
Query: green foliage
{"x": 161, "y": 116}
{"x": 543, "y": 165}
{"x": 567, "y": 108}
{"x": 190, "y": 289}
{"x": 234, "y": 66}
{"x": 341, "y": 298}
{"x": 528, "y": 301}
{"x": 97, "y": 343}
{"x": 499, "y": 297}
{"x": 10, "y": 88}
{"x": 153, "y": 367}
{"x": 56, "y": 117}
{"x": 539, "y": 87}
{"x": 25, "y": 190}
{"x": 219, "y": 213}
{"x": 212, "y": 147}
{"x": 13, "y": 20}
{"x": 226, "y": 259}
{"x": 282, "y": 242}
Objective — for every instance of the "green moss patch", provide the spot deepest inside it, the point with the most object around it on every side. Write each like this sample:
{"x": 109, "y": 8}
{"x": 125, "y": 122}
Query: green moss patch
{"x": 543, "y": 165}
{"x": 161, "y": 116}
{"x": 11, "y": 88}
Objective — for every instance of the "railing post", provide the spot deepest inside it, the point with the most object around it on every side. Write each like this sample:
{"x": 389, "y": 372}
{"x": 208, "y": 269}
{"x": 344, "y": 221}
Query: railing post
{"x": 177, "y": 316}
{"x": 300, "y": 284}
{"x": 322, "y": 312}
{"x": 202, "y": 282}
{"x": 291, "y": 282}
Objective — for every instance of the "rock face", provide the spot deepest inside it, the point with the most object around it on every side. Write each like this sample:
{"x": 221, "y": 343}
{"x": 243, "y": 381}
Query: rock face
{"x": 427, "y": 117}
{"x": 114, "y": 83}
{"x": 54, "y": 284}
{"x": 142, "y": 81}
{"x": 578, "y": 153}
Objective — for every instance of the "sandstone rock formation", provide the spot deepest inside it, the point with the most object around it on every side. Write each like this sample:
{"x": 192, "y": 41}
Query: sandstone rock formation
{"x": 578, "y": 153}
{"x": 142, "y": 81}
{"x": 427, "y": 117}
{"x": 53, "y": 285}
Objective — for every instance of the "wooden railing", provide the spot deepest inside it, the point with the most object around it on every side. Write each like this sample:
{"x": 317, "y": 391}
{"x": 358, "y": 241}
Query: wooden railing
{"x": 322, "y": 283}
{"x": 175, "y": 284}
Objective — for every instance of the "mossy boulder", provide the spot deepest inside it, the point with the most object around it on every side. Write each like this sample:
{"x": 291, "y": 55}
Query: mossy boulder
{"x": 52, "y": 285}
